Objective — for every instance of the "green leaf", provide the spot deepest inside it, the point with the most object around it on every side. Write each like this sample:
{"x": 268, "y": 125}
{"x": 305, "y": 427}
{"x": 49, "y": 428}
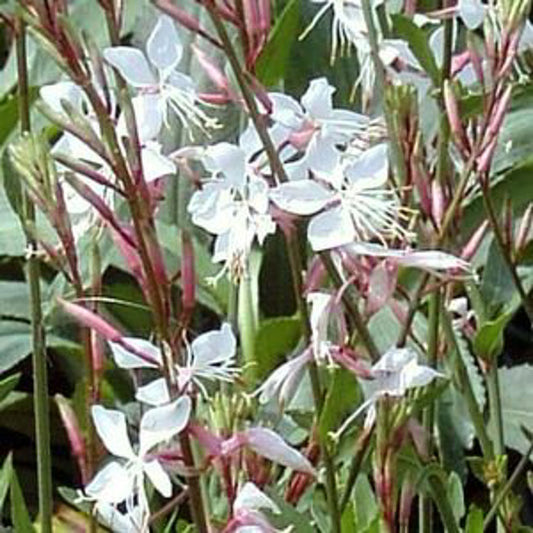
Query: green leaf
{"x": 19, "y": 512}
{"x": 488, "y": 342}
{"x": 366, "y": 507}
{"x": 14, "y": 299}
{"x": 474, "y": 520}
{"x": 456, "y": 495}
{"x": 273, "y": 60}
{"x": 8, "y": 384}
{"x": 5, "y": 479}
{"x": 12, "y": 240}
{"x": 517, "y": 399}
{"x": 275, "y": 339}
{"x": 343, "y": 395}
{"x": 416, "y": 37}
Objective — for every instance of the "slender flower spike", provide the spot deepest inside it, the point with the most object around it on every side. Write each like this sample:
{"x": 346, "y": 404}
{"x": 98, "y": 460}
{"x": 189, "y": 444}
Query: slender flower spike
{"x": 394, "y": 374}
{"x": 350, "y": 205}
{"x": 162, "y": 87}
{"x": 122, "y": 479}
{"x": 210, "y": 357}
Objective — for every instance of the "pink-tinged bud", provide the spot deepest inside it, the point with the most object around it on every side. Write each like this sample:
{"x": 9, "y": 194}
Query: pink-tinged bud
{"x": 484, "y": 161}
{"x": 381, "y": 286}
{"x": 510, "y": 54}
{"x": 422, "y": 184}
{"x": 472, "y": 246}
{"x": 91, "y": 320}
{"x": 406, "y": 502}
{"x": 215, "y": 99}
{"x": 497, "y": 117}
{"x": 160, "y": 271}
{"x": 185, "y": 19}
{"x": 475, "y": 59}
{"x": 437, "y": 203}
{"x": 316, "y": 275}
{"x": 188, "y": 275}
{"x": 524, "y": 229}
{"x": 454, "y": 117}
{"x": 74, "y": 434}
{"x": 349, "y": 360}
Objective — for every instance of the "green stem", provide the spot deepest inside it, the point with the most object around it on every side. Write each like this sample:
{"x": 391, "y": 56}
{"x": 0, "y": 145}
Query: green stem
{"x": 40, "y": 377}
{"x": 439, "y": 493}
{"x": 247, "y": 329}
{"x": 495, "y": 406}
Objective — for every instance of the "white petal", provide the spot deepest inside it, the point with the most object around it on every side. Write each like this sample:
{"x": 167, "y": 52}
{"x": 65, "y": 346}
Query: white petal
{"x": 371, "y": 168}
{"x": 415, "y": 375}
{"x": 301, "y": 197}
{"x": 128, "y": 359}
{"x": 159, "y": 478}
{"x": 286, "y": 111}
{"x": 251, "y": 498}
{"x": 227, "y": 159}
{"x": 155, "y": 165}
{"x": 55, "y": 93}
{"x": 112, "y": 430}
{"x": 394, "y": 360}
{"x": 214, "y": 346}
{"x": 472, "y": 12}
{"x": 269, "y": 444}
{"x": 155, "y": 393}
{"x": 221, "y": 248}
{"x": 258, "y": 192}
{"x": 317, "y": 100}
{"x": 321, "y": 155}
{"x": 331, "y": 229}
{"x": 164, "y": 48}
{"x": 129, "y": 522}
{"x": 112, "y": 484}
{"x": 212, "y": 208}
{"x": 162, "y": 423}
{"x": 131, "y": 64}
{"x": 148, "y": 117}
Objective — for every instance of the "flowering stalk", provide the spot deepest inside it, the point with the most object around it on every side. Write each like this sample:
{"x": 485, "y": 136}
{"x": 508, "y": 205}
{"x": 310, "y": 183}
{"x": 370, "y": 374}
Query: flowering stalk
{"x": 292, "y": 246}
{"x": 40, "y": 377}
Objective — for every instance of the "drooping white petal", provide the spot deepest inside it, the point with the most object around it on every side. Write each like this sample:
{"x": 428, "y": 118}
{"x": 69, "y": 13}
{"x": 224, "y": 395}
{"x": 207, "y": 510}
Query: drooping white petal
{"x": 394, "y": 360}
{"x": 155, "y": 164}
{"x": 214, "y": 346}
{"x": 164, "y": 48}
{"x": 301, "y": 197}
{"x": 155, "y": 393}
{"x": 112, "y": 484}
{"x": 322, "y": 156}
{"x": 331, "y": 229}
{"x": 212, "y": 208}
{"x": 269, "y": 444}
{"x": 129, "y": 522}
{"x": 148, "y": 117}
{"x": 286, "y": 111}
{"x": 54, "y": 94}
{"x": 318, "y": 99}
{"x": 162, "y": 423}
{"x": 415, "y": 375}
{"x": 159, "y": 478}
{"x": 318, "y": 320}
{"x": 128, "y": 359}
{"x": 132, "y": 65}
{"x": 112, "y": 430}
{"x": 250, "y": 497}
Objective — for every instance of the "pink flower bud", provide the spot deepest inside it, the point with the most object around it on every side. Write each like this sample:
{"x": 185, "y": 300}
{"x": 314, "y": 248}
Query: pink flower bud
{"x": 216, "y": 75}
{"x": 454, "y": 117}
{"x": 485, "y": 159}
{"x": 74, "y": 434}
{"x": 498, "y": 115}
{"x": 472, "y": 246}
{"x": 91, "y": 320}
{"x": 437, "y": 203}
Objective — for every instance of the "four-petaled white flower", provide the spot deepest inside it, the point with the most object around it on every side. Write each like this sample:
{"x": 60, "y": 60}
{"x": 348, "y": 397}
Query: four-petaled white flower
{"x": 393, "y": 375}
{"x": 211, "y": 356}
{"x": 162, "y": 88}
{"x": 122, "y": 479}
{"x": 352, "y": 203}
{"x": 315, "y": 127}
{"x": 234, "y": 204}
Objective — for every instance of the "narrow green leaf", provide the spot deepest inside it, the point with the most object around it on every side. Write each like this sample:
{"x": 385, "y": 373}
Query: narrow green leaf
{"x": 273, "y": 60}
{"x": 488, "y": 342}
{"x": 455, "y": 492}
{"x": 8, "y": 384}
{"x": 474, "y": 520}
{"x": 5, "y": 479}
{"x": 19, "y": 512}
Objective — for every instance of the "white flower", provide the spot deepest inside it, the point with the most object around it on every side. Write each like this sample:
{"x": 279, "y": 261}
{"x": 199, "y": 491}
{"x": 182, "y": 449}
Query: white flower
{"x": 134, "y": 520}
{"x": 315, "y": 127}
{"x": 394, "y": 374}
{"x": 122, "y": 479}
{"x": 471, "y": 12}
{"x": 234, "y": 204}
{"x": 353, "y": 205}
{"x": 211, "y": 356}
{"x": 155, "y": 75}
